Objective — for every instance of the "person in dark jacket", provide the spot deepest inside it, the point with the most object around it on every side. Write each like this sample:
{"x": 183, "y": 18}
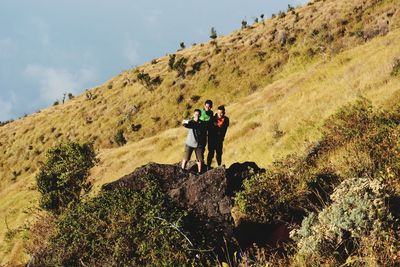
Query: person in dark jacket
{"x": 216, "y": 135}
{"x": 196, "y": 139}
{"x": 207, "y": 116}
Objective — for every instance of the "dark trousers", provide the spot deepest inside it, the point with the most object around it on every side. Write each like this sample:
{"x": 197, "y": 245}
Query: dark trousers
{"x": 215, "y": 147}
{"x": 199, "y": 153}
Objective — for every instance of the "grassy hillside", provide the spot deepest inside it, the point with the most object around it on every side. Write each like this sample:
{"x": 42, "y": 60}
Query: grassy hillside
{"x": 279, "y": 79}
{"x": 341, "y": 198}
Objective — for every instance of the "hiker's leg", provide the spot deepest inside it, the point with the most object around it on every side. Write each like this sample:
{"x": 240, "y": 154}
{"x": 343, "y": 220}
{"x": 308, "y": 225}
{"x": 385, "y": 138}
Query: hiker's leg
{"x": 199, "y": 165}
{"x": 218, "y": 149}
{"x": 210, "y": 155}
{"x": 187, "y": 155}
{"x": 209, "y": 148}
{"x": 203, "y": 151}
{"x": 200, "y": 159}
{"x": 183, "y": 166}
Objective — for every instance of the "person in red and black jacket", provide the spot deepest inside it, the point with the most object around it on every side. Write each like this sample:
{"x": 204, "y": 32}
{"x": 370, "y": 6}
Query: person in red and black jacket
{"x": 216, "y": 135}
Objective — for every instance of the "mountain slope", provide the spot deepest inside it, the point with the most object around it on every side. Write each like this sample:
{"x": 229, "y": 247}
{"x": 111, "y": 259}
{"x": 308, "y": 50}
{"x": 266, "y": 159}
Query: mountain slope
{"x": 295, "y": 106}
{"x": 279, "y": 79}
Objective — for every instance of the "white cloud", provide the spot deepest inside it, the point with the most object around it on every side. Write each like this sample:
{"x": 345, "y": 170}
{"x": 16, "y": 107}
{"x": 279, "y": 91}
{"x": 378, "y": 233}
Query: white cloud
{"x": 7, "y": 47}
{"x": 5, "y": 109}
{"x": 54, "y": 82}
{"x": 131, "y": 52}
{"x": 152, "y": 16}
{"x": 42, "y": 31}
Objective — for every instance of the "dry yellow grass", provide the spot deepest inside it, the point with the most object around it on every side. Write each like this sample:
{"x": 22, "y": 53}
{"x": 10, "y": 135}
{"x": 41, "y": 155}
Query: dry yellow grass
{"x": 290, "y": 91}
{"x": 299, "y": 103}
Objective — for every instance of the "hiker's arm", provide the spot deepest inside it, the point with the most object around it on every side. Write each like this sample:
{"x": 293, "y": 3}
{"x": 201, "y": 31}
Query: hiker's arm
{"x": 188, "y": 125}
{"x": 225, "y": 128}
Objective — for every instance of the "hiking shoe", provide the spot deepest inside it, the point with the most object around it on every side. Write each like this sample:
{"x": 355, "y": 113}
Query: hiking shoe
{"x": 182, "y": 171}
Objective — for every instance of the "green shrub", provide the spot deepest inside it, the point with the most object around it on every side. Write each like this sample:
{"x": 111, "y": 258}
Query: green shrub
{"x": 213, "y": 34}
{"x": 180, "y": 98}
{"x": 147, "y": 81}
{"x": 381, "y": 143}
{"x": 136, "y": 127}
{"x": 62, "y": 178}
{"x": 286, "y": 192}
{"x": 156, "y": 80}
{"x": 125, "y": 228}
{"x": 197, "y": 66}
{"x": 244, "y": 24}
{"x": 144, "y": 78}
{"x": 276, "y": 195}
{"x": 180, "y": 66}
{"x": 10, "y": 234}
{"x": 171, "y": 61}
{"x": 351, "y": 121}
{"x": 370, "y": 137}
{"x": 2, "y": 123}
{"x": 90, "y": 96}
{"x": 177, "y": 65}
{"x": 358, "y": 210}
{"x": 119, "y": 138}
{"x": 195, "y": 98}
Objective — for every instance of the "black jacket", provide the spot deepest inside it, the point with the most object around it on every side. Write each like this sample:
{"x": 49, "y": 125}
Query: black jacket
{"x": 216, "y": 133}
{"x": 199, "y": 131}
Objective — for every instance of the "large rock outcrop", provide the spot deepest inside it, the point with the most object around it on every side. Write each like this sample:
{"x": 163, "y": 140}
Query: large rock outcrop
{"x": 208, "y": 195}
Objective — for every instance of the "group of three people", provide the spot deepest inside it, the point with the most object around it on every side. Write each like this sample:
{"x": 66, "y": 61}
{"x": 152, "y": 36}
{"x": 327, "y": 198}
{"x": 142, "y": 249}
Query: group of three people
{"x": 205, "y": 129}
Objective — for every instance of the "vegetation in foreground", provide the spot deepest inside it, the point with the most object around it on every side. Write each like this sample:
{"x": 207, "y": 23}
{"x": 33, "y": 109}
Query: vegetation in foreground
{"x": 119, "y": 227}
{"x": 340, "y": 199}
{"x": 62, "y": 180}
{"x": 122, "y": 228}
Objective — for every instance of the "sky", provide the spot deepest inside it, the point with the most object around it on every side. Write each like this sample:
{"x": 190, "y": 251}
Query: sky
{"x": 48, "y": 47}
